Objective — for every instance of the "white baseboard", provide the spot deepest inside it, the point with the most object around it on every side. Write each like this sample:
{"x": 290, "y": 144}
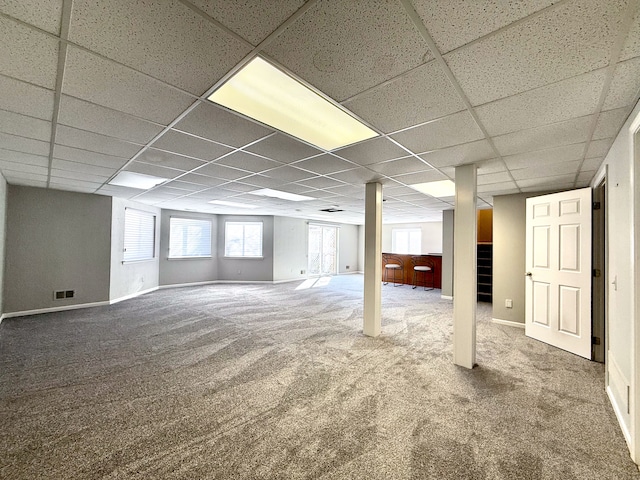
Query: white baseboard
{"x": 509, "y": 323}
{"x": 62, "y": 308}
{"x": 132, "y": 295}
{"x": 191, "y": 284}
{"x": 446, "y": 297}
{"x": 616, "y": 408}
{"x": 289, "y": 280}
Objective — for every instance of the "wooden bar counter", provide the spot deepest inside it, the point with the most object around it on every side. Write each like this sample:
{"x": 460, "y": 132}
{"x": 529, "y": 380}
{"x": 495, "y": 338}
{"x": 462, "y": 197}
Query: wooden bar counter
{"x": 407, "y": 274}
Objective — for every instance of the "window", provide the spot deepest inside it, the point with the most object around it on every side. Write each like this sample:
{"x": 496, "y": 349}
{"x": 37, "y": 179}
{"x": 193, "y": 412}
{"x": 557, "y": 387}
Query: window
{"x": 406, "y": 240}
{"x": 139, "y": 235}
{"x": 243, "y": 239}
{"x": 189, "y": 238}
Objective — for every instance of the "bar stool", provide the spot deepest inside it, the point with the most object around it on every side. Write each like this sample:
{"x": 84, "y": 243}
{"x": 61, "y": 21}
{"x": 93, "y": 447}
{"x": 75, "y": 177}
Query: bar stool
{"x": 425, "y": 267}
{"x": 395, "y": 264}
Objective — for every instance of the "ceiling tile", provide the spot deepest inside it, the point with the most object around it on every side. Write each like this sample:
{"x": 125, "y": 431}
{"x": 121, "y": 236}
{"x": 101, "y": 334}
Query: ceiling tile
{"x": 457, "y": 22}
{"x": 592, "y": 163}
{"x": 624, "y": 86}
{"x": 44, "y": 14}
{"x": 214, "y": 123}
{"x": 24, "y": 178}
{"x": 599, "y": 148}
{"x": 253, "y": 21}
{"x": 25, "y": 145}
{"x": 288, "y": 174}
{"x": 24, "y": 158}
{"x": 585, "y": 177}
{"x": 575, "y": 130}
{"x": 82, "y": 167}
{"x": 167, "y": 159}
{"x": 610, "y": 122}
{"x": 420, "y": 177}
{"x": 571, "y": 98}
{"x": 186, "y": 186}
{"x": 320, "y": 182}
{"x": 548, "y": 170}
{"x": 153, "y": 170}
{"x": 632, "y": 44}
{"x": 168, "y": 41}
{"x": 460, "y": 154}
{"x": 418, "y": 96}
{"x": 61, "y": 175}
{"x": 548, "y": 182}
{"x": 566, "y": 41}
{"x": 177, "y": 142}
{"x": 73, "y": 137}
{"x": 83, "y": 156}
{"x": 283, "y": 148}
{"x": 400, "y": 167}
{"x": 23, "y": 168}
{"x": 32, "y": 57}
{"x": 106, "y": 83}
{"x": 255, "y": 182}
{"x": 445, "y": 132}
{"x": 493, "y": 165}
{"x": 21, "y": 97}
{"x": 497, "y": 188}
{"x": 549, "y": 156}
{"x": 248, "y": 162}
{"x": 357, "y": 176}
{"x": 202, "y": 180}
{"x": 489, "y": 178}
{"x": 372, "y": 151}
{"x": 221, "y": 171}
{"x": 24, "y": 126}
{"x": 324, "y": 164}
{"x": 334, "y": 47}
{"x": 97, "y": 119}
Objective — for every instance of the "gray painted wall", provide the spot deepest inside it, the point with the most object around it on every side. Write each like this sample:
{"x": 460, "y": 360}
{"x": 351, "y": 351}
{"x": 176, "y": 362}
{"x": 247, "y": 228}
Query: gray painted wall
{"x": 3, "y": 220}
{"x": 290, "y": 248}
{"x": 56, "y": 241}
{"x": 361, "y": 248}
{"x": 246, "y": 269}
{"x": 447, "y": 253}
{"x": 128, "y": 279}
{"x": 187, "y": 270}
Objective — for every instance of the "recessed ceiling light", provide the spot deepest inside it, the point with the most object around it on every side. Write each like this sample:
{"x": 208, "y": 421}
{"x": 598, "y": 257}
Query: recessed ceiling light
{"x": 232, "y": 204}
{"x": 268, "y": 192}
{"x": 265, "y": 93}
{"x": 136, "y": 180}
{"x": 442, "y": 188}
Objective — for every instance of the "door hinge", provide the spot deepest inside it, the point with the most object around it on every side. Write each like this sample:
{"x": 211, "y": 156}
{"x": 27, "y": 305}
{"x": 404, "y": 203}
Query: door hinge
{"x": 595, "y": 340}
{"x": 596, "y": 205}
{"x": 597, "y": 272}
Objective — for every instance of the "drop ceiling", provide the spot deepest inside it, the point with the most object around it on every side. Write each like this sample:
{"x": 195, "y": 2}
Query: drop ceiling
{"x": 533, "y": 92}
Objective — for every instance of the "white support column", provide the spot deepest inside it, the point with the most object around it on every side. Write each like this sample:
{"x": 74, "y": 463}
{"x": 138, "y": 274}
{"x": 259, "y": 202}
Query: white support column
{"x": 464, "y": 269}
{"x": 372, "y": 259}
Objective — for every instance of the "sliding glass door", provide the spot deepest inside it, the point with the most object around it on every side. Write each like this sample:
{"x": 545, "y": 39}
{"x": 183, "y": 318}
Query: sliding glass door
{"x": 323, "y": 250}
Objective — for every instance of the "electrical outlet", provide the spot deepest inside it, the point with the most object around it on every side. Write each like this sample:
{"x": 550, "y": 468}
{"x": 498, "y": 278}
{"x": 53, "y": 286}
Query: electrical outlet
{"x": 302, "y": 272}
{"x": 508, "y": 303}
{"x": 347, "y": 267}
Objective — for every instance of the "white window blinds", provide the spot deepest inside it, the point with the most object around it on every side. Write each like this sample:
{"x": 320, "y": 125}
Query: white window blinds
{"x": 243, "y": 239}
{"x": 189, "y": 238}
{"x": 406, "y": 240}
{"x": 139, "y": 235}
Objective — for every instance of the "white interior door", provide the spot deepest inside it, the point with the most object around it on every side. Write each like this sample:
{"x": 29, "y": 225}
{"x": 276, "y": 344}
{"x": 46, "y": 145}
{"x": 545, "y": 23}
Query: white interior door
{"x": 558, "y": 267}
{"x": 323, "y": 248}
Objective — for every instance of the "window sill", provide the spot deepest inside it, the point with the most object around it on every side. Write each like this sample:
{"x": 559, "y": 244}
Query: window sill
{"x": 189, "y": 258}
{"x": 243, "y": 258}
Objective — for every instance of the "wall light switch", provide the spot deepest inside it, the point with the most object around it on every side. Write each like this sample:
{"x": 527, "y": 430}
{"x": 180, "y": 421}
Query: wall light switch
{"x": 508, "y": 303}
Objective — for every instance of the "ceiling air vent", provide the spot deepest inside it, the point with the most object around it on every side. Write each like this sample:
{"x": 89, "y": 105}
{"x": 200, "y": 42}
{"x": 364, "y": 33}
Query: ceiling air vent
{"x": 331, "y": 210}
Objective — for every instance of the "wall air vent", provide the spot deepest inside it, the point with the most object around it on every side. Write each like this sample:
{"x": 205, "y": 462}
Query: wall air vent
{"x": 331, "y": 210}
{"x": 63, "y": 294}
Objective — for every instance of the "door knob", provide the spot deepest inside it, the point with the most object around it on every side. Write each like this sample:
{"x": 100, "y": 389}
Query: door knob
{"x": 529, "y": 274}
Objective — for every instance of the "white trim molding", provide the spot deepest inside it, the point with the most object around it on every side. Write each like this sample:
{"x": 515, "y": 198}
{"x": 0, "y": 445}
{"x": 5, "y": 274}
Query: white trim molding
{"x": 62, "y": 308}
{"x": 509, "y": 323}
{"x": 132, "y": 295}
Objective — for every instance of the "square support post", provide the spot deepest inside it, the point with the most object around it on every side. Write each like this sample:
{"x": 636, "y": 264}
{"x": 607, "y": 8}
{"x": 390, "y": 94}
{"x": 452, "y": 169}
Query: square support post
{"x": 372, "y": 259}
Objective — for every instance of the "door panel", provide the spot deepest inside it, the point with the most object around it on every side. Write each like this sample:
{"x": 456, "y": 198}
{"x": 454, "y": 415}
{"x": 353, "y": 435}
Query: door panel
{"x": 558, "y": 263}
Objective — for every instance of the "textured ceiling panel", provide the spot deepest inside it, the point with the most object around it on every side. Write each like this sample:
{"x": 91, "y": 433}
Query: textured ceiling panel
{"x": 548, "y": 170}
{"x": 283, "y": 149}
{"x": 541, "y": 158}
{"x": 73, "y": 137}
{"x": 184, "y": 144}
{"x": 33, "y": 56}
{"x": 454, "y": 23}
{"x": 83, "y": 156}
{"x": 167, "y": 41}
{"x": 625, "y": 85}
{"x": 59, "y": 165}
{"x": 610, "y": 122}
{"x": 214, "y": 123}
{"x": 97, "y": 119}
{"x": 599, "y": 148}
{"x": 445, "y": 132}
{"x": 571, "y": 98}
{"x": 254, "y": 20}
{"x": 167, "y": 159}
{"x": 24, "y": 145}
{"x": 24, "y": 126}
{"x": 248, "y": 162}
{"x": 336, "y": 48}
{"x": 324, "y": 164}
{"x": 97, "y": 80}
{"x": 566, "y": 41}
{"x": 568, "y": 132}
{"x": 21, "y": 97}
{"x": 23, "y": 158}
{"x": 460, "y": 154}
{"x": 632, "y": 44}
{"x": 422, "y": 94}
{"x": 400, "y": 167}
{"x": 44, "y": 14}
{"x": 372, "y": 151}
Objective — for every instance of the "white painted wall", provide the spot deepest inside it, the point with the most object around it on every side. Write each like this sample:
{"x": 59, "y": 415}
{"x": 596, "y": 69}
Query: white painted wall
{"x": 289, "y": 248}
{"x": 431, "y": 236}
{"x": 348, "y": 249}
{"x": 130, "y": 279}
{"x": 621, "y": 321}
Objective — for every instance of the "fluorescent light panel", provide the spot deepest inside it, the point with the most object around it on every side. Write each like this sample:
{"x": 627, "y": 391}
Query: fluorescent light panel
{"x": 442, "y": 188}
{"x": 232, "y": 204}
{"x": 267, "y": 94}
{"x": 268, "y": 192}
{"x": 136, "y": 180}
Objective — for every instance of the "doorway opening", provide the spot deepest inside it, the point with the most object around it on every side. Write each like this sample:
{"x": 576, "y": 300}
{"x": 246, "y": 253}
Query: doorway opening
{"x": 599, "y": 280}
{"x": 323, "y": 250}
